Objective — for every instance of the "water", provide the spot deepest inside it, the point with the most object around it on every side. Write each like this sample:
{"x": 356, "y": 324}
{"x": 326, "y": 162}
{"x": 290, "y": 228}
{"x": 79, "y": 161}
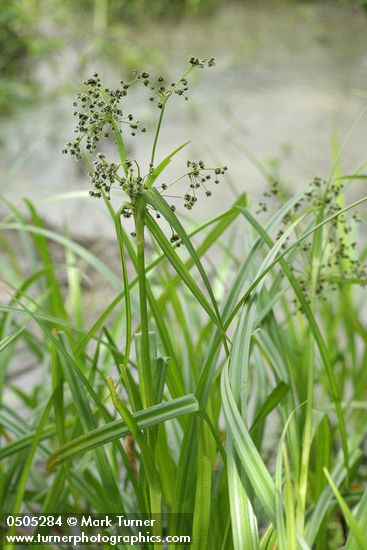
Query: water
{"x": 288, "y": 78}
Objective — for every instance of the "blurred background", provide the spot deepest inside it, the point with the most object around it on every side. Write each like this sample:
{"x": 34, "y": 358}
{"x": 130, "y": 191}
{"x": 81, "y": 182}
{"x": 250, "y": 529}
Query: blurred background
{"x": 290, "y": 82}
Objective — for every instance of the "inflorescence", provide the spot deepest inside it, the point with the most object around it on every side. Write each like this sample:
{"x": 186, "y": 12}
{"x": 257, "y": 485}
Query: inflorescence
{"x": 199, "y": 176}
{"x": 97, "y": 110}
{"x": 162, "y": 90}
{"x": 339, "y": 260}
{"x": 100, "y": 113}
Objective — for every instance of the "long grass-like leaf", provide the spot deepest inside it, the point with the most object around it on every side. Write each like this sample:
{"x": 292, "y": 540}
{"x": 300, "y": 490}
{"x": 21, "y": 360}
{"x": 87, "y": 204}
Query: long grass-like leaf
{"x": 358, "y": 534}
{"x": 361, "y": 518}
{"x": 251, "y": 461}
{"x": 117, "y": 429}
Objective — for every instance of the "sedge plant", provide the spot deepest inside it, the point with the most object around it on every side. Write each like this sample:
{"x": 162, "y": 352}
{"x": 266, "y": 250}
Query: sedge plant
{"x": 222, "y": 389}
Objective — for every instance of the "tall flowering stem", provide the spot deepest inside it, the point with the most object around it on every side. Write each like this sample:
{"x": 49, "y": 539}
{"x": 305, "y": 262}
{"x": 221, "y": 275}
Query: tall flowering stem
{"x": 101, "y": 114}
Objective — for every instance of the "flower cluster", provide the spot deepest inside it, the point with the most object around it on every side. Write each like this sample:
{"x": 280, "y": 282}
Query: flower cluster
{"x": 132, "y": 183}
{"x": 196, "y": 62}
{"x": 162, "y": 90}
{"x": 97, "y": 108}
{"x": 199, "y": 176}
{"x": 103, "y": 176}
{"x": 339, "y": 259}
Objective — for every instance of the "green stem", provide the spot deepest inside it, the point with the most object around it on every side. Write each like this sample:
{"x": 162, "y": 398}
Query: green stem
{"x": 307, "y": 439}
{"x": 119, "y": 236}
{"x": 128, "y": 337}
{"x": 120, "y": 145}
{"x": 164, "y": 101}
{"x": 310, "y": 365}
{"x": 145, "y": 374}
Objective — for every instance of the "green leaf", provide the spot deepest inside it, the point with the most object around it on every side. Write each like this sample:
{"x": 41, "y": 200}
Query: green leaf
{"x": 87, "y": 419}
{"x": 154, "y": 199}
{"x": 162, "y": 165}
{"x": 270, "y": 403}
{"x": 243, "y": 519}
{"x": 4, "y": 342}
{"x": 353, "y": 525}
{"x": 249, "y": 457}
{"x": 179, "y": 266}
{"x": 79, "y": 250}
{"x": 118, "y": 429}
{"x": 338, "y": 475}
{"x": 21, "y": 485}
{"x": 201, "y": 520}
{"x": 361, "y": 517}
